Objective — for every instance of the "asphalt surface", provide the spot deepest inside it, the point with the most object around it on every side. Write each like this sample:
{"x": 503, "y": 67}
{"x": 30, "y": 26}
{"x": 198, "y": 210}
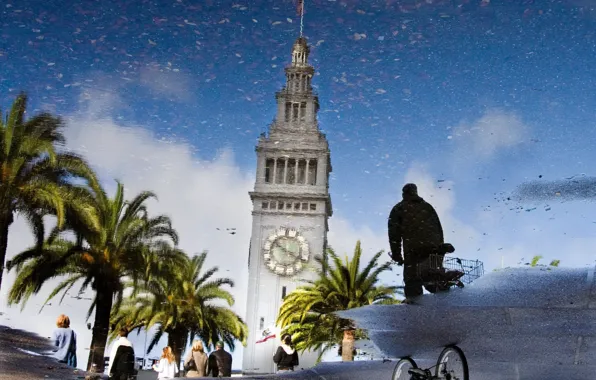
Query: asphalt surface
{"x": 20, "y": 358}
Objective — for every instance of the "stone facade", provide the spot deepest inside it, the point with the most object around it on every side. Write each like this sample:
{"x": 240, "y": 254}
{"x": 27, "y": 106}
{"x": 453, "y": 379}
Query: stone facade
{"x": 290, "y": 198}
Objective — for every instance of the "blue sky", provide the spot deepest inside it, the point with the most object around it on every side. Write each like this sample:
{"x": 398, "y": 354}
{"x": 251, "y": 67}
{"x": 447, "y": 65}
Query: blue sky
{"x": 483, "y": 95}
{"x": 436, "y": 64}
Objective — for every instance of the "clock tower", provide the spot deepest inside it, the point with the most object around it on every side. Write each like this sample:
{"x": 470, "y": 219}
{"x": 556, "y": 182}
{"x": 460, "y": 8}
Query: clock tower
{"x": 291, "y": 207}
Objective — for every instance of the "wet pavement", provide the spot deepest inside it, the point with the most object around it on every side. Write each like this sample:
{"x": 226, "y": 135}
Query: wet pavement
{"x": 522, "y": 323}
{"x": 21, "y": 358}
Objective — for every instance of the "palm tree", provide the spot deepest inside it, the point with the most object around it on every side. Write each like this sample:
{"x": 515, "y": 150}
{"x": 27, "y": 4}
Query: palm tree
{"x": 192, "y": 304}
{"x": 104, "y": 259}
{"x": 308, "y": 312}
{"x": 36, "y": 177}
{"x": 536, "y": 259}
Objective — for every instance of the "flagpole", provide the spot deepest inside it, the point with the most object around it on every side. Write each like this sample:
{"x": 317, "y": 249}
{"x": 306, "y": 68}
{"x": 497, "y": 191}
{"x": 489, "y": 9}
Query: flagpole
{"x": 301, "y": 17}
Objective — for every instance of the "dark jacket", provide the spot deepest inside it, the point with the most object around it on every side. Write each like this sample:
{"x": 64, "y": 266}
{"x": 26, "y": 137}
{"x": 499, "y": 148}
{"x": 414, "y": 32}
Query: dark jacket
{"x": 220, "y": 364}
{"x": 286, "y": 357}
{"x": 414, "y": 222}
{"x": 124, "y": 363}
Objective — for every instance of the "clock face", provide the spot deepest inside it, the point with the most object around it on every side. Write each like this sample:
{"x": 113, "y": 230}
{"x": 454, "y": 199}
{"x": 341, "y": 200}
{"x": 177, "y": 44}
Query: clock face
{"x": 285, "y": 252}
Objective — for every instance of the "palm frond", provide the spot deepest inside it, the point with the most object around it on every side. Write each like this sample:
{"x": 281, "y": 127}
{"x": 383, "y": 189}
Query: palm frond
{"x": 308, "y": 313}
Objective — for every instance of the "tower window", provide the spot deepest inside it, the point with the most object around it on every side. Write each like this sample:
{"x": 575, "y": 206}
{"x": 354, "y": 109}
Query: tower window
{"x": 288, "y": 111}
{"x": 261, "y": 323}
{"x": 297, "y": 206}
{"x": 295, "y": 111}
{"x": 283, "y": 292}
{"x": 288, "y": 206}
{"x": 265, "y": 205}
{"x": 312, "y": 171}
{"x": 313, "y": 207}
{"x": 269, "y": 166}
{"x": 301, "y": 172}
{"x": 280, "y": 205}
{"x": 279, "y": 174}
{"x": 291, "y": 174}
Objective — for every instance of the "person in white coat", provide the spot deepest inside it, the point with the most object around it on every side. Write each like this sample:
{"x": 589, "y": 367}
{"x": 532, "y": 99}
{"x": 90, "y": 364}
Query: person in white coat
{"x": 166, "y": 367}
{"x": 122, "y": 341}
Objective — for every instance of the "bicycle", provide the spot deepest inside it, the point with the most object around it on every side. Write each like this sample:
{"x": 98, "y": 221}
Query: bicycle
{"x": 451, "y": 365}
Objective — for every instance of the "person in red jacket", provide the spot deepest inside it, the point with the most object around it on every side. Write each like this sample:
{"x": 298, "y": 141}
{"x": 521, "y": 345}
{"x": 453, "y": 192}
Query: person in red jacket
{"x": 414, "y": 224}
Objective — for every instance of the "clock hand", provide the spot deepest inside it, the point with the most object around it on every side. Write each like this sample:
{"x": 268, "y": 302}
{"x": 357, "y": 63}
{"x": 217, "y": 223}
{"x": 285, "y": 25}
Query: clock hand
{"x": 278, "y": 245}
{"x": 292, "y": 253}
{"x": 286, "y": 250}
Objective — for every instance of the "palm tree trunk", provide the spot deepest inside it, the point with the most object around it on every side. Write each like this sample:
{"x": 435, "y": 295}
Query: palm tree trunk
{"x": 177, "y": 342}
{"x": 101, "y": 327}
{"x": 347, "y": 346}
{"x": 5, "y": 222}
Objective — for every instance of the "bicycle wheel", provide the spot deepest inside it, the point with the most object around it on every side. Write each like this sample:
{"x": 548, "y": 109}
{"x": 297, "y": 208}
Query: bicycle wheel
{"x": 452, "y": 364}
{"x": 401, "y": 369}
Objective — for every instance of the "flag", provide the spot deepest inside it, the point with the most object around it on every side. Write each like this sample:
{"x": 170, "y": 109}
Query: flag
{"x": 300, "y": 7}
{"x": 266, "y": 338}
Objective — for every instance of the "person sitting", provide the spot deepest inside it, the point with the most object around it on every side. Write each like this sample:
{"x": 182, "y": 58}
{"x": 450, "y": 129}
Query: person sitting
{"x": 195, "y": 363}
{"x": 286, "y": 356}
{"x": 65, "y": 340}
{"x": 121, "y": 365}
{"x": 166, "y": 367}
{"x": 220, "y": 362}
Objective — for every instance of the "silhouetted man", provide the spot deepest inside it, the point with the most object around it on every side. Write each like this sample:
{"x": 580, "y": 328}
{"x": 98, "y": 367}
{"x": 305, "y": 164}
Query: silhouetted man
{"x": 415, "y": 223}
{"x": 220, "y": 362}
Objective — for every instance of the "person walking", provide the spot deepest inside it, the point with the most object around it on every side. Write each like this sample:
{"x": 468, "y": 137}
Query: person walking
{"x": 65, "y": 339}
{"x": 220, "y": 362}
{"x": 414, "y": 224}
{"x": 286, "y": 356}
{"x": 196, "y": 361}
{"x": 121, "y": 364}
{"x": 166, "y": 367}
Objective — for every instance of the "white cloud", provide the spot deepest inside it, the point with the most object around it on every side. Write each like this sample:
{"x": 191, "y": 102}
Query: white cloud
{"x": 199, "y": 195}
{"x": 343, "y": 235}
{"x": 166, "y": 82}
{"x": 495, "y": 130}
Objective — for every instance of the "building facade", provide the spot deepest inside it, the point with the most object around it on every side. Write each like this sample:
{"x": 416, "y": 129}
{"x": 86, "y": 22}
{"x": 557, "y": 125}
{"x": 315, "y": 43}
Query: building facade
{"x": 291, "y": 207}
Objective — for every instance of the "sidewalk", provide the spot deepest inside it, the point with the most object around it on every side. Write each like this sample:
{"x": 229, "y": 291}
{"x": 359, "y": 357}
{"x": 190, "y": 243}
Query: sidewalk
{"x": 20, "y": 358}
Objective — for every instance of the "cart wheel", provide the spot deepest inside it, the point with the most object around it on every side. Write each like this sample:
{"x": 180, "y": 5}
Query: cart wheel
{"x": 452, "y": 364}
{"x": 401, "y": 369}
